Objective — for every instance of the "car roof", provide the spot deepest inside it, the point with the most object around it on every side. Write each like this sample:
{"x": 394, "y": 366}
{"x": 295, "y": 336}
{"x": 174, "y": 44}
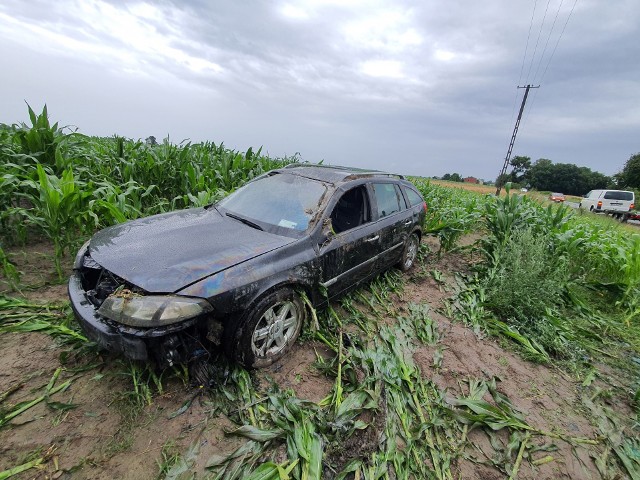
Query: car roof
{"x": 335, "y": 174}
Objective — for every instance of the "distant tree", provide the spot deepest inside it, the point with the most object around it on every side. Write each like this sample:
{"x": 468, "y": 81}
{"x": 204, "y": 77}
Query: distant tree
{"x": 565, "y": 177}
{"x": 541, "y": 174}
{"x": 521, "y": 166}
{"x": 151, "y": 140}
{"x": 629, "y": 177}
{"x": 452, "y": 177}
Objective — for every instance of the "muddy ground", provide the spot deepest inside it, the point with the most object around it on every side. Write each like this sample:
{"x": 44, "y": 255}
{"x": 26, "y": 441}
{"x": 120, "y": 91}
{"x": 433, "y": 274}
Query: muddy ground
{"x": 105, "y": 437}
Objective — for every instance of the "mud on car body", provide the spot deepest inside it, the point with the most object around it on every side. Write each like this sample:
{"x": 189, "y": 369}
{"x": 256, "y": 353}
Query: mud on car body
{"x": 234, "y": 274}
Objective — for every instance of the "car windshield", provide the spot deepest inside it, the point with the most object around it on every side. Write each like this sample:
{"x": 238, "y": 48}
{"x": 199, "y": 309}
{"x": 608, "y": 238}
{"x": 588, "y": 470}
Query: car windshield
{"x": 282, "y": 200}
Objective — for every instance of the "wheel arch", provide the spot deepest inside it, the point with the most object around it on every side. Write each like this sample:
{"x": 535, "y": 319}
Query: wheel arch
{"x": 236, "y": 326}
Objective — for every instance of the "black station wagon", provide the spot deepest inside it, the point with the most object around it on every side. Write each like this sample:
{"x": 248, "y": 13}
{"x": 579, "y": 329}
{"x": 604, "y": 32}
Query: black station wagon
{"x": 234, "y": 274}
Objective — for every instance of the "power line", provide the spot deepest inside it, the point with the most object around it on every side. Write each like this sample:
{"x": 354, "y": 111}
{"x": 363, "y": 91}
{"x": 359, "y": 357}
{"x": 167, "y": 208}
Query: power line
{"x": 538, "y": 39}
{"x": 529, "y": 86}
{"x": 535, "y": 94}
{"x": 544, "y": 50}
{"x": 524, "y": 59}
{"x": 559, "y": 38}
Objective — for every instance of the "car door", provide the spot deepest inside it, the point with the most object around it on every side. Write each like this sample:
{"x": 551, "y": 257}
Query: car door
{"x": 348, "y": 254}
{"x": 394, "y": 222}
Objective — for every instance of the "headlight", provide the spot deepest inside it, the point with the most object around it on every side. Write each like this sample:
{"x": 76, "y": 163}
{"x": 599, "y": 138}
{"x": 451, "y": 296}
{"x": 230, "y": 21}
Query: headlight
{"x": 152, "y": 311}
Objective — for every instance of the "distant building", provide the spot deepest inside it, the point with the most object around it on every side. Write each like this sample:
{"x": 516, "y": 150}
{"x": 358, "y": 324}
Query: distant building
{"x": 470, "y": 180}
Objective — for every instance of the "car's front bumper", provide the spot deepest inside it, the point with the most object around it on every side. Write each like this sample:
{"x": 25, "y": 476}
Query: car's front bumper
{"x": 97, "y": 330}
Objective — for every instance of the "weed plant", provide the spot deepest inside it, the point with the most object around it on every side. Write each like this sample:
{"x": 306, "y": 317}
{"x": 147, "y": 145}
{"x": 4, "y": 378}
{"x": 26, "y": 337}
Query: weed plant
{"x": 524, "y": 279}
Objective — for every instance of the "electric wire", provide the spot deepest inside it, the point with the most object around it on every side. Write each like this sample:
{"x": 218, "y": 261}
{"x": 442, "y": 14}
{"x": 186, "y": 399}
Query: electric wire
{"x": 524, "y": 59}
{"x": 544, "y": 50}
{"x": 537, "y": 40}
{"x": 559, "y": 38}
{"x": 530, "y": 80}
{"x": 528, "y": 110}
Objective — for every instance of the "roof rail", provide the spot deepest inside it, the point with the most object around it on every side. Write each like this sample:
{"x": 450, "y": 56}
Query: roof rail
{"x": 355, "y": 172}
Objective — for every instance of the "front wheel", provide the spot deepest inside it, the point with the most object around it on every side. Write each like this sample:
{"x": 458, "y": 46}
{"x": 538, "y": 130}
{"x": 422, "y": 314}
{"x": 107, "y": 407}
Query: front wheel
{"x": 269, "y": 330}
{"x": 410, "y": 253}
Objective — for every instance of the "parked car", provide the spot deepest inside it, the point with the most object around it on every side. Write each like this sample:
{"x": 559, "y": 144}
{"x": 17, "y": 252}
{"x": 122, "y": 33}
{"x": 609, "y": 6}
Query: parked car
{"x": 615, "y": 202}
{"x": 557, "y": 197}
{"x": 630, "y": 216}
{"x": 237, "y": 273}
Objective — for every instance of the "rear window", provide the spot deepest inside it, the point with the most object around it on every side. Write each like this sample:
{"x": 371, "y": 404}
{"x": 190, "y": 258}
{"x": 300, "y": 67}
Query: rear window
{"x": 414, "y": 197}
{"x": 628, "y": 196}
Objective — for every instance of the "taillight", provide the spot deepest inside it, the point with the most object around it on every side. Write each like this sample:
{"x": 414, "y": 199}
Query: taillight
{"x": 600, "y": 204}
{"x": 424, "y": 206}
{"x": 632, "y": 206}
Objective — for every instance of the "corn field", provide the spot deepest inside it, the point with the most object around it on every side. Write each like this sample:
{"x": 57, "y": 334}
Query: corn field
{"x": 557, "y": 287}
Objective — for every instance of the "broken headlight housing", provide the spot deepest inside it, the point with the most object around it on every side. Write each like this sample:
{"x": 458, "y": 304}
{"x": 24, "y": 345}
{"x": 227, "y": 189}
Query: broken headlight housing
{"x": 152, "y": 310}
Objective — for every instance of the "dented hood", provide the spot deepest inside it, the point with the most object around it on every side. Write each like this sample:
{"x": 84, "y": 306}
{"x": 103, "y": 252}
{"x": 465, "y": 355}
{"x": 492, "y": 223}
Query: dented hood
{"x": 164, "y": 253}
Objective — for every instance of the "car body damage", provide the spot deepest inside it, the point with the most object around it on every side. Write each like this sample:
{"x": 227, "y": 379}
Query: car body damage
{"x": 166, "y": 287}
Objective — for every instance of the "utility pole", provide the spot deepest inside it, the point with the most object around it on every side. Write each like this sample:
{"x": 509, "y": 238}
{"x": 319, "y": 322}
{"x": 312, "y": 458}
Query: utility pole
{"x": 513, "y": 137}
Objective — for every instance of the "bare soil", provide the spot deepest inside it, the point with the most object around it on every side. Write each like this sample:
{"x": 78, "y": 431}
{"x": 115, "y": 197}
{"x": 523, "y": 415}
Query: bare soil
{"x": 105, "y": 436}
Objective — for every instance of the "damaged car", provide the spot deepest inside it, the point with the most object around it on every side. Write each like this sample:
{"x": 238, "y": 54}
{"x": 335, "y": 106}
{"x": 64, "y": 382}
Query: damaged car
{"x": 240, "y": 274}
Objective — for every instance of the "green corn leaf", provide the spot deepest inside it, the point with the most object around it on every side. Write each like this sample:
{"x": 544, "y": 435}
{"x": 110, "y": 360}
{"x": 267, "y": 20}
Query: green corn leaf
{"x": 257, "y": 434}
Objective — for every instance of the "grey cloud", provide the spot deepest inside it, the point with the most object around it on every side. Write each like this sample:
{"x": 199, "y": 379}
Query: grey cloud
{"x": 297, "y": 84}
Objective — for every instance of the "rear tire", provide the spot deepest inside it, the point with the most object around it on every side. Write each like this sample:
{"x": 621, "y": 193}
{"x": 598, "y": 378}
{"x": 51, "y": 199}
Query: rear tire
{"x": 410, "y": 253}
{"x": 268, "y": 330}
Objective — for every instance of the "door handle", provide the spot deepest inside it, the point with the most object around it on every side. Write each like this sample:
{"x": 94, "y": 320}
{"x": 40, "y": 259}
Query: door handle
{"x": 408, "y": 222}
{"x": 372, "y": 239}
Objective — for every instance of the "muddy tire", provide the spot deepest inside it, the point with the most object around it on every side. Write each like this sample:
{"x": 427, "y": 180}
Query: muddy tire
{"x": 410, "y": 253}
{"x": 269, "y": 330}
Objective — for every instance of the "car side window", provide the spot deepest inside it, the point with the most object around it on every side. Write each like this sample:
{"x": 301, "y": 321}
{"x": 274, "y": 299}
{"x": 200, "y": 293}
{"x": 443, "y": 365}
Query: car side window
{"x": 387, "y": 199}
{"x": 413, "y": 196}
{"x": 352, "y": 210}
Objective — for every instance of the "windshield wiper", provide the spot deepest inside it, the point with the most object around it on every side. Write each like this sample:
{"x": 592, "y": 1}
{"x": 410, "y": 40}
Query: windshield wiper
{"x": 245, "y": 221}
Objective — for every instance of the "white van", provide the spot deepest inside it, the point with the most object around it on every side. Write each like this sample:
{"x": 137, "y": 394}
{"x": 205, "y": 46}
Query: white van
{"x": 608, "y": 201}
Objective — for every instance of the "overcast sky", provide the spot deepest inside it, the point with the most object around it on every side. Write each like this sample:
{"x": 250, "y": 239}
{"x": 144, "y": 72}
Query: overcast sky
{"x": 423, "y": 88}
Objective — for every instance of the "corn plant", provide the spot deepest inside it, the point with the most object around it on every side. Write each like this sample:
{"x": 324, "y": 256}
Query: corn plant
{"x": 50, "y": 389}
{"x": 9, "y": 270}
{"x": 60, "y": 208}
{"x": 53, "y": 319}
{"x": 116, "y": 204}
{"x": 41, "y": 139}
{"x": 450, "y": 214}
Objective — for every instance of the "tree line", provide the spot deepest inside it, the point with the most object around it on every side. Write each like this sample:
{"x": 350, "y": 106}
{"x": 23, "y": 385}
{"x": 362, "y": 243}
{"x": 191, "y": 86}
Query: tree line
{"x": 544, "y": 175}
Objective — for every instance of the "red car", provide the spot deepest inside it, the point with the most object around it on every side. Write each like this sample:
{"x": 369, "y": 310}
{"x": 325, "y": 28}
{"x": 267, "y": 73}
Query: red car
{"x": 556, "y": 197}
